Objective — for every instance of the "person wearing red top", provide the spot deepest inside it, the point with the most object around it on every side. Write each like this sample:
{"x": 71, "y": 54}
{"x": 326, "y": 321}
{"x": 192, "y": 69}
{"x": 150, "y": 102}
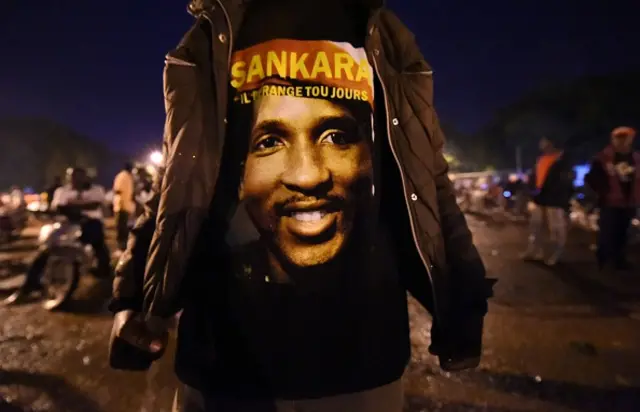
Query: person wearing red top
{"x": 615, "y": 177}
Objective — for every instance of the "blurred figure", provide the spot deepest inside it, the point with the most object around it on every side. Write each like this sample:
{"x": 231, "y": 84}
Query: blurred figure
{"x": 615, "y": 177}
{"x": 144, "y": 193}
{"x": 552, "y": 187}
{"x": 516, "y": 188}
{"x": 57, "y": 182}
{"x": 494, "y": 193}
{"x": 124, "y": 205}
{"x": 144, "y": 188}
{"x": 78, "y": 200}
{"x": 17, "y": 197}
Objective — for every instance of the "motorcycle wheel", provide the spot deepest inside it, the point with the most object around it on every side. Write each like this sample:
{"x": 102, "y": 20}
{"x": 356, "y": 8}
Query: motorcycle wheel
{"x": 60, "y": 279}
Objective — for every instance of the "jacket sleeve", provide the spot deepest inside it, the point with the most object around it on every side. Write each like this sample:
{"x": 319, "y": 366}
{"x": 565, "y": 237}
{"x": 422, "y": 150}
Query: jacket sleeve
{"x": 129, "y": 272}
{"x": 467, "y": 268}
{"x": 186, "y": 187}
{"x": 140, "y": 273}
{"x": 469, "y": 287}
{"x": 459, "y": 343}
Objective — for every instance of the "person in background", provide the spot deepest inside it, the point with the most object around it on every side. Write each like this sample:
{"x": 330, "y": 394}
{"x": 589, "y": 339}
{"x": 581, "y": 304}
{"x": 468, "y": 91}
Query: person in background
{"x": 124, "y": 205}
{"x": 78, "y": 200}
{"x": 144, "y": 193}
{"x": 615, "y": 177}
{"x": 17, "y": 197}
{"x": 551, "y": 183}
{"x": 144, "y": 189}
{"x": 57, "y": 182}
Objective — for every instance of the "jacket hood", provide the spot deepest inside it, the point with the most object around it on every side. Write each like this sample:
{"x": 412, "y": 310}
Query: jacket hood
{"x": 195, "y": 7}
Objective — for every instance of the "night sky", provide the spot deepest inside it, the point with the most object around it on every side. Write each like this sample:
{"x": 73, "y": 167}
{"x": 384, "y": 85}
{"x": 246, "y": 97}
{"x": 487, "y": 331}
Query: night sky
{"x": 97, "y": 66}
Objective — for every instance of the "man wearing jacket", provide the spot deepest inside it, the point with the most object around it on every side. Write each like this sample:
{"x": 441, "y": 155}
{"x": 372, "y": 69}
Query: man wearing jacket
{"x": 304, "y": 192}
{"x": 551, "y": 183}
{"x": 615, "y": 177}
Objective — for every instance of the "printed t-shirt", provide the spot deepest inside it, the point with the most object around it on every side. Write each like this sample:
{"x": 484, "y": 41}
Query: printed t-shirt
{"x": 312, "y": 305}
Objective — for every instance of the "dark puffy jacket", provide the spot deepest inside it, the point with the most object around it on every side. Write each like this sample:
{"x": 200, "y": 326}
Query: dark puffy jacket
{"x": 449, "y": 276}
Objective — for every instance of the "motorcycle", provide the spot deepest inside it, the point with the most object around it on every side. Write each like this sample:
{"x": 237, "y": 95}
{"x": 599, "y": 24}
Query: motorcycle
{"x": 62, "y": 258}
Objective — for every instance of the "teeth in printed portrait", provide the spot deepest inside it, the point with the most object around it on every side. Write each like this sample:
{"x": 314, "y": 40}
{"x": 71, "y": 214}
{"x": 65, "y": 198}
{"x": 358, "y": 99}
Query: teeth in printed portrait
{"x": 309, "y": 216}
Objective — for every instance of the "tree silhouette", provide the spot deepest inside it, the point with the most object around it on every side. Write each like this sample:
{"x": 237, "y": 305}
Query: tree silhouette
{"x": 35, "y": 150}
{"x": 579, "y": 115}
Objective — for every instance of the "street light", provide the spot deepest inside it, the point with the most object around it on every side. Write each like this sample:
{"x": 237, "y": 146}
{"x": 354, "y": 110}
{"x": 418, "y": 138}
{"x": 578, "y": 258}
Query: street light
{"x": 156, "y": 158}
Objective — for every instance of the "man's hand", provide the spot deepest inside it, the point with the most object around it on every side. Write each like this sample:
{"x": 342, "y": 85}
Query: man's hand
{"x": 135, "y": 341}
{"x": 460, "y": 346}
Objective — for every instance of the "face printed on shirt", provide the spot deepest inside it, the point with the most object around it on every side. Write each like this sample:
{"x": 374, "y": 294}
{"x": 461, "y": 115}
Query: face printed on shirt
{"x": 308, "y": 164}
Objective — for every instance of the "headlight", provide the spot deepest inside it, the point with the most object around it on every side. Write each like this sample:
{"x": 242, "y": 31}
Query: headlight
{"x": 45, "y": 232}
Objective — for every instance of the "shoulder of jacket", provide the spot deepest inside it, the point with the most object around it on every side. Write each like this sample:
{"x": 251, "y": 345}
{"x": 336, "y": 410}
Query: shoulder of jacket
{"x": 194, "y": 44}
{"x": 399, "y": 41}
{"x": 390, "y": 23}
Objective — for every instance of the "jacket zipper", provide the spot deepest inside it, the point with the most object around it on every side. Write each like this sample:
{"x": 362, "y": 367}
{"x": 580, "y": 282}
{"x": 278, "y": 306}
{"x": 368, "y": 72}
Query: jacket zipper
{"x": 226, "y": 16}
{"x": 404, "y": 189}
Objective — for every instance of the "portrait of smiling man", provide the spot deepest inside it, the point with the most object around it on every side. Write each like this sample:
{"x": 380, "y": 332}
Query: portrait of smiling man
{"x": 308, "y": 167}
{"x": 305, "y": 194}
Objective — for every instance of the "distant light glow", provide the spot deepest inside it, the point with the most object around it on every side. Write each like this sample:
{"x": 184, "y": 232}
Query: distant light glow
{"x": 507, "y": 194}
{"x": 581, "y": 171}
{"x": 156, "y": 158}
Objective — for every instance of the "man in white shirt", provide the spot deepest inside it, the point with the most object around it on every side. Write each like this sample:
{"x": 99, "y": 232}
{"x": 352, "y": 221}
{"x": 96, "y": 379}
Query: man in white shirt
{"x": 81, "y": 201}
{"x": 124, "y": 205}
{"x": 81, "y": 196}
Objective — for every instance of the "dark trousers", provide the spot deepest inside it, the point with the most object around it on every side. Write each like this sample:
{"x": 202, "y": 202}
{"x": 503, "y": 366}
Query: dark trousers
{"x": 386, "y": 398}
{"x": 122, "y": 229}
{"x": 613, "y": 234}
{"x": 93, "y": 234}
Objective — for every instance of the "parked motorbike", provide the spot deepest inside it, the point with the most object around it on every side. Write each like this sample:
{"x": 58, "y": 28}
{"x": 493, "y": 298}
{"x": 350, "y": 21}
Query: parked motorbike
{"x": 62, "y": 258}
